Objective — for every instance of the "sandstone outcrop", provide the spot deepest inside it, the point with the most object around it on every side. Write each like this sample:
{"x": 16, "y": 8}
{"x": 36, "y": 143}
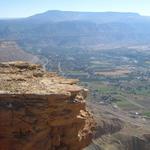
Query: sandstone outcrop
{"x": 41, "y": 111}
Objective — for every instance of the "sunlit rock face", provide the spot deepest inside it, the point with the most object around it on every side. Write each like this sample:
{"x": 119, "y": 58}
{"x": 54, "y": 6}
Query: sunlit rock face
{"x": 41, "y": 111}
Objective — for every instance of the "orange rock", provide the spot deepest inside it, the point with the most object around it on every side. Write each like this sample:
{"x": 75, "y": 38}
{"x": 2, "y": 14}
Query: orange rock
{"x": 41, "y": 111}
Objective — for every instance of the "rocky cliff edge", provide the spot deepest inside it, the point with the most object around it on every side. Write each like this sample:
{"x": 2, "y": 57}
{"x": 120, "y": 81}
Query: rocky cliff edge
{"x": 41, "y": 111}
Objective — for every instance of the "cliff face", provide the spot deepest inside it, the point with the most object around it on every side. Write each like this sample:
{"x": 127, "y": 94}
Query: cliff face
{"x": 41, "y": 111}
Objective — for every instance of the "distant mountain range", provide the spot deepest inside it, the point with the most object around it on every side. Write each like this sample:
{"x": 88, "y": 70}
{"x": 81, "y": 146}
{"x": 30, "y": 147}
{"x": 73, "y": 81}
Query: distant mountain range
{"x": 66, "y": 29}
{"x": 97, "y": 17}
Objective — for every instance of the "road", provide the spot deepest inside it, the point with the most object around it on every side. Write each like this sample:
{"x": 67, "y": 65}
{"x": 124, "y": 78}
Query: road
{"x": 44, "y": 61}
{"x": 60, "y": 69}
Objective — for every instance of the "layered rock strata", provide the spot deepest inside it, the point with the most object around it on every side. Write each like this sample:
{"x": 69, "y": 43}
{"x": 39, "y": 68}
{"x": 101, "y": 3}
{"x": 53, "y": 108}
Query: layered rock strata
{"x": 41, "y": 111}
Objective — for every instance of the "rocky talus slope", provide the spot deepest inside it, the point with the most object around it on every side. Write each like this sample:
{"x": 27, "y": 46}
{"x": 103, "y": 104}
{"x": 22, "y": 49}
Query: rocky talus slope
{"x": 41, "y": 111}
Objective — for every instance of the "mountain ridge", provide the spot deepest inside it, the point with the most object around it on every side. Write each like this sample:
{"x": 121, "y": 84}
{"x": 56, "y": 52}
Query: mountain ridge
{"x": 77, "y": 15}
{"x": 67, "y": 29}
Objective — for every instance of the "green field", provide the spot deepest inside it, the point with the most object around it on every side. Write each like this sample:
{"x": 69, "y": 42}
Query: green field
{"x": 146, "y": 113}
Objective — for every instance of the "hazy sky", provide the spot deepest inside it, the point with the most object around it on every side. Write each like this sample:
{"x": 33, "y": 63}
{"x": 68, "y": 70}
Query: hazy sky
{"x": 23, "y": 8}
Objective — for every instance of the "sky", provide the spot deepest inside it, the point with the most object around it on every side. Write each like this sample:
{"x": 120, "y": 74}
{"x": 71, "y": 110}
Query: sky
{"x": 25, "y": 8}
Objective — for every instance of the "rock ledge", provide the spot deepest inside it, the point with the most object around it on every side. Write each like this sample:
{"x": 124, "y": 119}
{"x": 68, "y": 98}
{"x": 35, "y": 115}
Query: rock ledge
{"x": 41, "y": 111}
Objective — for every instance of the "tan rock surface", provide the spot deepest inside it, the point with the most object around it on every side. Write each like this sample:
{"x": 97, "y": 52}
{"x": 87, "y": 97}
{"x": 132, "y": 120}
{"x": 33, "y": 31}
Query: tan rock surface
{"x": 41, "y": 111}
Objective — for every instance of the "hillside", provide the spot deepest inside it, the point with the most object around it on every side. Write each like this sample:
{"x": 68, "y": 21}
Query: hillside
{"x": 10, "y": 51}
{"x": 64, "y": 29}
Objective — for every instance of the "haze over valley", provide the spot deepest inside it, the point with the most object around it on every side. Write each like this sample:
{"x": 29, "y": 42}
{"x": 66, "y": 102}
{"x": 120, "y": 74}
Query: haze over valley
{"x": 109, "y": 52}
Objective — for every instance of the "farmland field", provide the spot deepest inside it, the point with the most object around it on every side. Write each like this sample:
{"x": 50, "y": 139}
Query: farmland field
{"x": 118, "y": 78}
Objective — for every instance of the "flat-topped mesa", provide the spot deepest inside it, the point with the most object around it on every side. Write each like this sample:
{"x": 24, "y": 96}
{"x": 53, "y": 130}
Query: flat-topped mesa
{"x": 41, "y": 111}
